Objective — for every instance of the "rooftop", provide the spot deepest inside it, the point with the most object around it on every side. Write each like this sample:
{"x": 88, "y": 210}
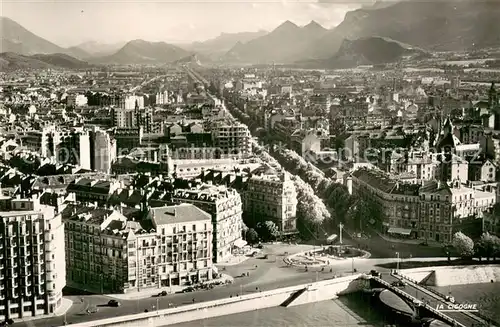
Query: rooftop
{"x": 182, "y": 213}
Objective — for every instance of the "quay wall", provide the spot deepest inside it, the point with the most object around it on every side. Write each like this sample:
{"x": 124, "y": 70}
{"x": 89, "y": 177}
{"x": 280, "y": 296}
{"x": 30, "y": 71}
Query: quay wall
{"x": 454, "y": 275}
{"x": 317, "y": 291}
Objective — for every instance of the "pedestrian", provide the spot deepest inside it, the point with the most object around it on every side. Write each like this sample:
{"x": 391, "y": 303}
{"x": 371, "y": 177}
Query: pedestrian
{"x": 193, "y": 300}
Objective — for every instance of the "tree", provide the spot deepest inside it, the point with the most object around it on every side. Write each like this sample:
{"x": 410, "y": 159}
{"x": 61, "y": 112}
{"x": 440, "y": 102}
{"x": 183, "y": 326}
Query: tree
{"x": 488, "y": 246}
{"x": 252, "y": 236}
{"x": 268, "y": 230}
{"x": 463, "y": 244}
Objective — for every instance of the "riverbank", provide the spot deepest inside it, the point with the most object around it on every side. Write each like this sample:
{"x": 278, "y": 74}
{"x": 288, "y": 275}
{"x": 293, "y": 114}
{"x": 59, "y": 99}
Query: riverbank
{"x": 290, "y": 296}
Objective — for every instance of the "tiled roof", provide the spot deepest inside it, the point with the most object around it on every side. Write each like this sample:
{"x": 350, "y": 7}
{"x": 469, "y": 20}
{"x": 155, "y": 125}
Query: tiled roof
{"x": 435, "y": 187}
{"x": 382, "y": 182}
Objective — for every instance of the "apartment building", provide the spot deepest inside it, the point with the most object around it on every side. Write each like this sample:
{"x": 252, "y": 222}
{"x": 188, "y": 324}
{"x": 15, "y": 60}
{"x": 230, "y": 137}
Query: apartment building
{"x": 272, "y": 197}
{"x": 31, "y": 260}
{"x": 133, "y": 118}
{"x": 428, "y": 166}
{"x": 430, "y": 210}
{"x": 231, "y": 138}
{"x": 65, "y": 146}
{"x": 185, "y": 241}
{"x": 107, "y": 252}
{"x": 102, "y": 150}
{"x": 88, "y": 190}
{"x": 72, "y": 147}
{"x": 225, "y": 206}
{"x": 399, "y": 201}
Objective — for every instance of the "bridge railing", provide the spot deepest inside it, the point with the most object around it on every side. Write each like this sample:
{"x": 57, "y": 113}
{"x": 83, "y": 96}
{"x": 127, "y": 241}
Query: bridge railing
{"x": 424, "y": 305}
{"x": 478, "y": 314}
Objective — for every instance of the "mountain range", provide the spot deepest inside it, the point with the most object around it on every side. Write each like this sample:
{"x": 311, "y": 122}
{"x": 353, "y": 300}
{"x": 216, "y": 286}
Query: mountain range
{"x": 373, "y": 50}
{"x": 283, "y": 44}
{"x": 143, "y": 52}
{"x": 397, "y": 28}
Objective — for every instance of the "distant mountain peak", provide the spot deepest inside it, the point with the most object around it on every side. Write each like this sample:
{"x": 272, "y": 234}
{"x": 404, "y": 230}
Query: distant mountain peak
{"x": 314, "y": 25}
{"x": 287, "y": 26}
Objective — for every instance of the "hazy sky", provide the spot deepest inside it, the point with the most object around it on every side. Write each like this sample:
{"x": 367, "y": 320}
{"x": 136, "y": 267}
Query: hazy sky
{"x": 70, "y": 22}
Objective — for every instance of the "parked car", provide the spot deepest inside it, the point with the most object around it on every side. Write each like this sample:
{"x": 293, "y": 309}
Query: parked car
{"x": 114, "y": 303}
{"x": 163, "y": 293}
{"x": 188, "y": 289}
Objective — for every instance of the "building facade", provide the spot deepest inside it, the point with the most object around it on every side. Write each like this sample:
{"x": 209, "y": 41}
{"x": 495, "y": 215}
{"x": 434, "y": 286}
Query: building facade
{"x": 106, "y": 252}
{"x": 32, "y": 259}
{"x": 431, "y": 210}
{"x": 272, "y": 197}
{"x": 231, "y": 138}
{"x": 225, "y": 206}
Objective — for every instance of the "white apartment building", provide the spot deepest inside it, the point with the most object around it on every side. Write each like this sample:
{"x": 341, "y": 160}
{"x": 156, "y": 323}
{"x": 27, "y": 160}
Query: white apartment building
{"x": 231, "y": 138}
{"x": 106, "y": 252}
{"x": 103, "y": 151}
{"x": 131, "y": 102}
{"x": 162, "y": 98}
{"x": 32, "y": 260}
{"x": 272, "y": 197}
{"x": 428, "y": 166}
{"x": 224, "y": 204}
{"x": 73, "y": 147}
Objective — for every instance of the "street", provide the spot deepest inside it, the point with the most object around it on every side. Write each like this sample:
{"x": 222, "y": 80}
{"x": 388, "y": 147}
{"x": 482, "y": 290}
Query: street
{"x": 265, "y": 274}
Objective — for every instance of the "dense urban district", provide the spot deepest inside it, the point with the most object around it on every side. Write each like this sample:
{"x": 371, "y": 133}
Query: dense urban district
{"x": 127, "y": 179}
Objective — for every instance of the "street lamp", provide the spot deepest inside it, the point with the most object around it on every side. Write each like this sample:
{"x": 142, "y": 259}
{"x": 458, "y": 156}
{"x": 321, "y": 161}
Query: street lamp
{"x": 340, "y": 232}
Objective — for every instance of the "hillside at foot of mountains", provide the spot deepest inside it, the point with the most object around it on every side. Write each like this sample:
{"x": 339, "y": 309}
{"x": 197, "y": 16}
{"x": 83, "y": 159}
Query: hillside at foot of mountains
{"x": 13, "y": 61}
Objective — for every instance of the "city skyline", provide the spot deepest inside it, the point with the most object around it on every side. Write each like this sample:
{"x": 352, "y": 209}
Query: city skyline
{"x": 168, "y": 21}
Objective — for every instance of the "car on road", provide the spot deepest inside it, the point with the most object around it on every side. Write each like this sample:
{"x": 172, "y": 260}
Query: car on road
{"x": 7, "y": 322}
{"x": 163, "y": 293}
{"x": 92, "y": 309}
{"x": 374, "y": 273}
{"x": 188, "y": 289}
{"x": 398, "y": 283}
{"x": 114, "y": 303}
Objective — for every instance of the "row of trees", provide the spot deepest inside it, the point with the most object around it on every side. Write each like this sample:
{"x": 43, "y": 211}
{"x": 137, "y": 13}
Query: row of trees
{"x": 311, "y": 211}
{"x": 316, "y": 193}
{"x": 352, "y": 210}
{"x": 487, "y": 247}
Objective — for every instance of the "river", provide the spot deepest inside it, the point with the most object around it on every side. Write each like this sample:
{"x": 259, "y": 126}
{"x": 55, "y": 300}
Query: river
{"x": 346, "y": 311}
{"x": 319, "y": 314}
